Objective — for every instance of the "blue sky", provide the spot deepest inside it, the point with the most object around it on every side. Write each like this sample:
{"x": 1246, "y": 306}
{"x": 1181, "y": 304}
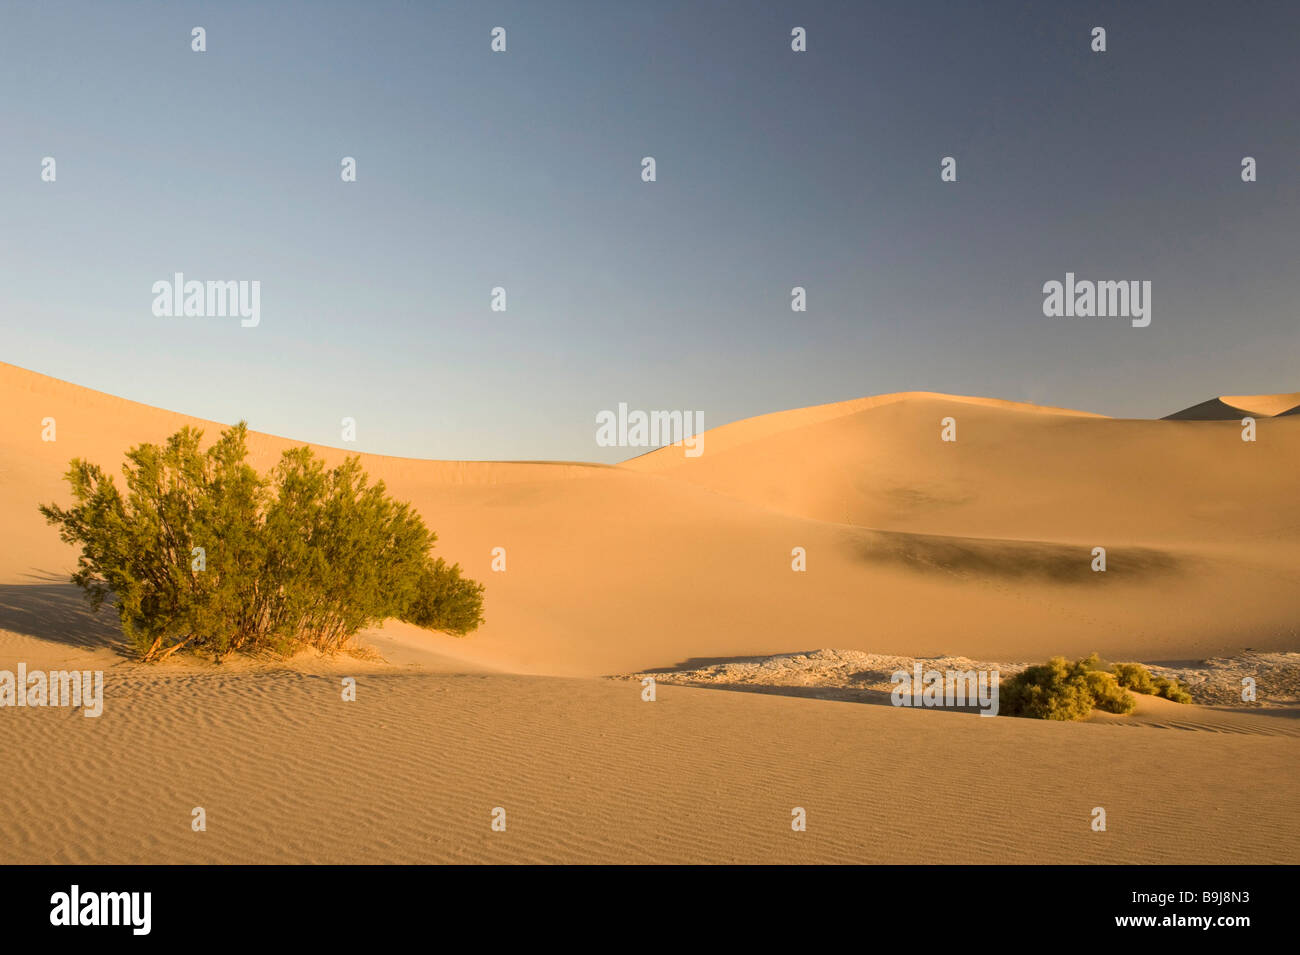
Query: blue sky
{"x": 522, "y": 170}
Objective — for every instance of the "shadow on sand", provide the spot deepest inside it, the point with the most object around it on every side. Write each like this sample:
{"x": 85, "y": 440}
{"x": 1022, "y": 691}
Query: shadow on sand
{"x": 52, "y": 609}
{"x": 699, "y": 663}
{"x": 992, "y": 559}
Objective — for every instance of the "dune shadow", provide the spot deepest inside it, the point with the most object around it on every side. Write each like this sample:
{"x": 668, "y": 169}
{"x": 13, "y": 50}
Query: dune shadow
{"x": 699, "y": 663}
{"x": 976, "y": 558}
{"x": 56, "y": 610}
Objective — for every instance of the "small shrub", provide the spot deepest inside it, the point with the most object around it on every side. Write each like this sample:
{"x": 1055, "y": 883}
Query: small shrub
{"x": 1055, "y": 690}
{"x": 1135, "y": 677}
{"x": 1093, "y": 662}
{"x": 446, "y": 601}
{"x": 1171, "y": 690}
{"x": 303, "y": 557}
{"x": 1141, "y": 680}
{"x": 1107, "y": 694}
{"x": 1061, "y": 690}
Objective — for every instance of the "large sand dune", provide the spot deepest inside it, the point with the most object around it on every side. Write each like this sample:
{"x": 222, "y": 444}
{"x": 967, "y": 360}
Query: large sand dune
{"x": 914, "y": 545}
{"x": 980, "y": 547}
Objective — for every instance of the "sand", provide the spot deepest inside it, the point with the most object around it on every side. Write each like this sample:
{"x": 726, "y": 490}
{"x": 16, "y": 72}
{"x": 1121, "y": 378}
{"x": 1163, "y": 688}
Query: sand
{"x": 1264, "y": 404}
{"x": 980, "y": 548}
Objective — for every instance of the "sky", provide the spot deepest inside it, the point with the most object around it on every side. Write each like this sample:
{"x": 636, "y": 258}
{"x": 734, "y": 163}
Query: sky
{"x": 522, "y": 170}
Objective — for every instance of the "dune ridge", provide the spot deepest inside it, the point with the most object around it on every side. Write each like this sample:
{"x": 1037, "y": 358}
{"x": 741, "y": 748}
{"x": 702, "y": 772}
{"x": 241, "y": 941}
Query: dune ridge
{"x": 1234, "y": 407}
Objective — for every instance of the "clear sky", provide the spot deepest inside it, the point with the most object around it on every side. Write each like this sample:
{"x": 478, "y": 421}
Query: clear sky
{"x": 522, "y": 169}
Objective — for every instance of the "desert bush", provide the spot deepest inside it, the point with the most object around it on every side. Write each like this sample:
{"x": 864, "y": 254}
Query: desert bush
{"x": 1135, "y": 677}
{"x": 445, "y": 600}
{"x": 1141, "y": 680}
{"x": 304, "y": 556}
{"x": 1055, "y": 690}
{"x": 1107, "y": 694}
{"x": 1171, "y": 690}
{"x": 1061, "y": 690}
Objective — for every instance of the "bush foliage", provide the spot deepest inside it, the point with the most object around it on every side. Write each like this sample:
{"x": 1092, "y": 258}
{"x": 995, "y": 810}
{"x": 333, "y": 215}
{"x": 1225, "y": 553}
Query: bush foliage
{"x": 1055, "y": 690}
{"x": 201, "y": 551}
{"x": 1139, "y": 679}
{"x": 1061, "y": 690}
{"x": 1135, "y": 677}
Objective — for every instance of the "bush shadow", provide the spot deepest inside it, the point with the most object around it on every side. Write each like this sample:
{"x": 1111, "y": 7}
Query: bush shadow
{"x": 53, "y": 609}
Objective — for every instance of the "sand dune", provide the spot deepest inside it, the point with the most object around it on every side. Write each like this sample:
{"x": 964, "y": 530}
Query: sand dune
{"x": 1013, "y": 472}
{"x": 736, "y": 433}
{"x": 1234, "y": 407}
{"x": 980, "y": 548}
{"x": 616, "y": 569}
{"x": 1264, "y": 404}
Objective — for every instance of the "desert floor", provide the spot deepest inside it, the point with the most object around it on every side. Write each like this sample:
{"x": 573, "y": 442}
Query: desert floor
{"x": 914, "y": 547}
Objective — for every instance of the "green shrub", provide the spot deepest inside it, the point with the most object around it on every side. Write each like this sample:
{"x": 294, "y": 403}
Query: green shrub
{"x": 446, "y": 601}
{"x": 1061, "y": 690}
{"x": 302, "y": 557}
{"x": 1171, "y": 690}
{"x": 1055, "y": 690}
{"x": 1107, "y": 694}
{"x": 1135, "y": 677}
{"x": 1141, "y": 680}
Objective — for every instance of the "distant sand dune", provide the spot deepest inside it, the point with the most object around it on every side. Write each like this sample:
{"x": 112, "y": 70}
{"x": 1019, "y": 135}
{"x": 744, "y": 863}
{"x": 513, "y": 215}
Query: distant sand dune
{"x": 1264, "y": 404}
{"x": 1235, "y": 407}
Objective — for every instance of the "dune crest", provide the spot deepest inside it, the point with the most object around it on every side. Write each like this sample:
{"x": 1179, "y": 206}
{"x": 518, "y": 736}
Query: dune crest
{"x": 1235, "y": 407}
{"x": 1264, "y": 404}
